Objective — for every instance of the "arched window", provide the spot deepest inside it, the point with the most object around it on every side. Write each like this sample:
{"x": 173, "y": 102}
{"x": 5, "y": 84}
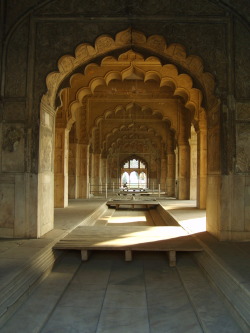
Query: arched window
{"x": 134, "y": 179}
{"x": 125, "y": 178}
{"x": 134, "y": 173}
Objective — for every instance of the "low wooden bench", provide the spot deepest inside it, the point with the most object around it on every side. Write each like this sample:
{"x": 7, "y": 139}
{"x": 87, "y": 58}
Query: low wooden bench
{"x": 170, "y": 239}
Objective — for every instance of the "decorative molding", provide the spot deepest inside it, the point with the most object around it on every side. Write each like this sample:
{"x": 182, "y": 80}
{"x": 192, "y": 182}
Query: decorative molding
{"x": 11, "y": 139}
{"x": 48, "y": 108}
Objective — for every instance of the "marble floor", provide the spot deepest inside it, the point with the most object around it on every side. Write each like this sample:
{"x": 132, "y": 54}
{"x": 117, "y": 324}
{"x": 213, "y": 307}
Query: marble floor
{"x": 107, "y": 294}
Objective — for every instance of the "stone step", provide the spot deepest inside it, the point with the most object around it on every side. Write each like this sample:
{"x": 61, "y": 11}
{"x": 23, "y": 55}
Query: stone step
{"x": 227, "y": 267}
{"x": 209, "y": 306}
{"x": 91, "y": 219}
{"x": 167, "y": 218}
{"x": 233, "y": 286}
{"x": 37, "y": 308}
{"x": 16, "y": 287}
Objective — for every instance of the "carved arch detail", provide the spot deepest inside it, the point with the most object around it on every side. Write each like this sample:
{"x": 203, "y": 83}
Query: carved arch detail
{"x": 115, "y": 134}
{"x": 166, "y": 75}
{"x": 129, "y": 38}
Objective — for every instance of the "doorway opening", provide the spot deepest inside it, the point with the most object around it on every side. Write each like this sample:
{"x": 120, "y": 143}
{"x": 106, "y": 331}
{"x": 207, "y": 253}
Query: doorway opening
{"x": 134, "y": 173}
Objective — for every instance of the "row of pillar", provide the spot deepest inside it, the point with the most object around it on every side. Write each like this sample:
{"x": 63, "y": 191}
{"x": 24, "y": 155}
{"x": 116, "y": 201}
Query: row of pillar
{"x": 189, "y": 168}
{"x": 71, "y": 169}
{"x": 74, "y": 165}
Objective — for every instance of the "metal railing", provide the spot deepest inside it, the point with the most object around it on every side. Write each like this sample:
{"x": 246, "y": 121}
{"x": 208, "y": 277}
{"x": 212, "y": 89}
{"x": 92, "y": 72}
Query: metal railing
{"x": 111, "y": 189}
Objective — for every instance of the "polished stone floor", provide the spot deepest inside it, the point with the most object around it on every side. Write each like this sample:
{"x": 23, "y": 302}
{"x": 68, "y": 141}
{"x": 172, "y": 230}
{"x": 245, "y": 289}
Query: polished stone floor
{"x": 107, "y": 294}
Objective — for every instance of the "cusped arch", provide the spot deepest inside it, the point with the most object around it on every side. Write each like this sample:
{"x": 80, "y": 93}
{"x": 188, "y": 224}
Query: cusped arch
{"x": 123, "y": 112}
{"x": 111, "y": 113}
{"x": 85, "y": 53}
{"x": 104, "y": 45}
{"x": 182, "y": 84}
{"x": 115, "y": 134}
{"x": 119, "y": 143}
{"x": 133, "y": 156}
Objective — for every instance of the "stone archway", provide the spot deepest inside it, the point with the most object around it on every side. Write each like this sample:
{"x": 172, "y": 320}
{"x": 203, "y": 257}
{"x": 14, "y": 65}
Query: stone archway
{"x": 130, "y": 65}
{"x": 183, "y": 87}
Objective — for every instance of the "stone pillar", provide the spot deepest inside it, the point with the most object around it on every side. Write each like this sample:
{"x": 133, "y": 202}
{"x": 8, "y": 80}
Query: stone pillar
{"x": 153, "y": 172}
{"x": 184, "y": 171}
{"x": 77, "y": 170}
{"x": 95, "y": 173}
{"x": 176, "y": 183}
{"x": 61, "y": 167}
{"x": 90, "y": 168}
{"x": 193, "y": 164}
{"x": 41, "y": 202}
{"x": 72, "y": 170}
{"x": 171, "y": 163}
{"x": 113, "y": 172}
{"x": 216, "y": 196}
{"x": 83, "y": 174}
{"x": 103, "y": 171}
{"x": 108, "y": 172}
{"x": 171, "y": 173}
{"x": 163, "y": 181}
{"x": 202, "y": 167}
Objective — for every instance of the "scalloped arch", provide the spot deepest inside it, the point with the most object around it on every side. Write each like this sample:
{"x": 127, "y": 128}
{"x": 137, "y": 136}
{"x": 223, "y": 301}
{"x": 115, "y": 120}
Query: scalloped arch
{"x": 136, "y": 156}
{"x": 116, "y": 144}
{"x": 123, "y": 108}
{"x": 182, "y": 84}
{"x": 111, "y": 135}
{"x": 104, "y": 44}
{"x": 124, "y": 127}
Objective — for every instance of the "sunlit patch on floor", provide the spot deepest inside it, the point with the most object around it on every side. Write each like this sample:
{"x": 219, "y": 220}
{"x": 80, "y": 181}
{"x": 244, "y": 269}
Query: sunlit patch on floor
{"x": 194, "y": 225}
{"x": 127, "y": 219}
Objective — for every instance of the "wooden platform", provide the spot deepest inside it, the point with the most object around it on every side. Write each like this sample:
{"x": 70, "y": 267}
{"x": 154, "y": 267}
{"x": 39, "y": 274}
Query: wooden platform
{"x": 147, "y": 204}
{"x": 137, "y": 238}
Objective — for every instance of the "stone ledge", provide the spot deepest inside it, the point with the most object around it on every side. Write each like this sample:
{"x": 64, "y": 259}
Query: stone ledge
{"x": 234, "y": 290}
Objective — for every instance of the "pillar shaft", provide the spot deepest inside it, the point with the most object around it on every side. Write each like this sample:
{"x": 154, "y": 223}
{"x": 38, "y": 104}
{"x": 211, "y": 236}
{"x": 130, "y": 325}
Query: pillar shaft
{"x": 95, "y": 173}
{"x": 61, "y": 167}
{"x": 184, "y": 172}
{"x": 193, "y": 165}
{"x": 73, "y": 170}
{"x": 202, "y": 169}
{"x": 164, "y": 174}
{"x": 103, "y": 175}
{"x": 113, "y": 171}
{"x": 171, "y": 174}
{"x": 83, "y": 177}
